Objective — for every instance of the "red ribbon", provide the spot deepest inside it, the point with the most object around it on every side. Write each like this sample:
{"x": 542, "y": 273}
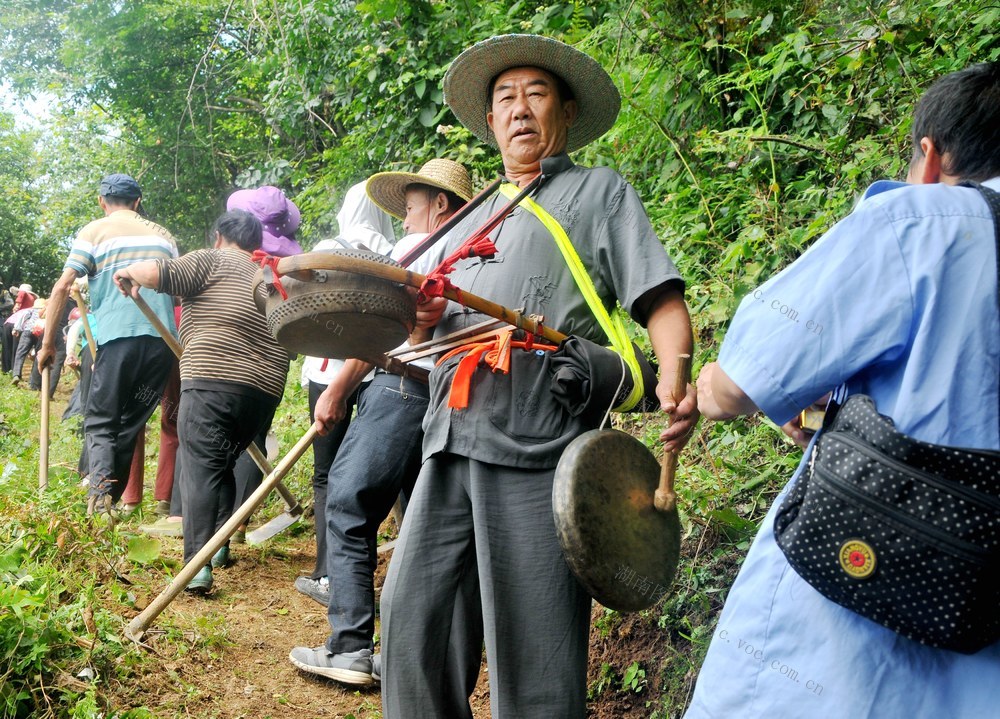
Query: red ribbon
{"x": 494, "y": 353}
{"x": 265, "y": 260}
{"x": 436, "y": 282}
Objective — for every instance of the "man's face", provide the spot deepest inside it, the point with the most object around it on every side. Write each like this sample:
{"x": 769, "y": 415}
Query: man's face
{"x": 418, "y": 210}
{"x": 527, "y": 117}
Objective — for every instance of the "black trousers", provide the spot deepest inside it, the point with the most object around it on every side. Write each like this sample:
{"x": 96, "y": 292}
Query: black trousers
{"x": 35, "y": 379}
{"x": 125, "y": 388}
{"x": 8, "y": 346}
{"x": 213, "y": 428}
{"x": 248, "y": 474}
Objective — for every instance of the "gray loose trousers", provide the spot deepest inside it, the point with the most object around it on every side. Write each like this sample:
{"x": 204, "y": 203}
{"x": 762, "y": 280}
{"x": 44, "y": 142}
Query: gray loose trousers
{"x": 465, "y": 521}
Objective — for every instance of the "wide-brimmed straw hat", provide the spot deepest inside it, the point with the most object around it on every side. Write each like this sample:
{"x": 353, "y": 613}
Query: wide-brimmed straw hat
{"x": 468, "y": 80}
{"x": 388, "y": 189}
{"x": 26, "y": 288}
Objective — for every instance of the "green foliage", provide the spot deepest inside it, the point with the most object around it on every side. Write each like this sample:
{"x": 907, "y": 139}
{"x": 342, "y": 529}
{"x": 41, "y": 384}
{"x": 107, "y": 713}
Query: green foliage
{"x": 28, "y": 255}
{"x": 747, "y": 128}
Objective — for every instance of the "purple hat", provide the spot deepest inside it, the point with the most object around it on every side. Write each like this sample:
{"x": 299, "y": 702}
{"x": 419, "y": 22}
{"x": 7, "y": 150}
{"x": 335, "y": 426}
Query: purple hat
{"x": 279, "y": 216}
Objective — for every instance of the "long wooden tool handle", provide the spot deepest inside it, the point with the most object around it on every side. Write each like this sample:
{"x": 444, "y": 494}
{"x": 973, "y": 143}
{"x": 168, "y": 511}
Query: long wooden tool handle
{"x": 86, "y": 323}
{"x": 665, "y": 499}
{"x": 261, "y": 460}
{"x": 175, "y": 346}
{"x": 43, "y": 453}
{"x": 154, "y": 320}
{"x": 138, "y": 626}
{"x": 334, "y": 261}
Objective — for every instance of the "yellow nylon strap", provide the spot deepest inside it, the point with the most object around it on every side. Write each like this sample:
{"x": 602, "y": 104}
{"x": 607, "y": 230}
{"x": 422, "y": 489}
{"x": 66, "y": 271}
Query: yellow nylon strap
{"x": 614, "y": 327}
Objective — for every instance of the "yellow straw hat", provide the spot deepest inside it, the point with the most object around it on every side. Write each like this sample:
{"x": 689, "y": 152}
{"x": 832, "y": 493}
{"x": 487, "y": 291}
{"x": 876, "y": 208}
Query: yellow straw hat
{"x": 388, "y": 189}
{"x": 468, "y": 79}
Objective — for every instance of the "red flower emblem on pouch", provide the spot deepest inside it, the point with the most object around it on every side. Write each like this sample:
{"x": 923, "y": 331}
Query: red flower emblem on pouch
{"x": 857, "y": 558}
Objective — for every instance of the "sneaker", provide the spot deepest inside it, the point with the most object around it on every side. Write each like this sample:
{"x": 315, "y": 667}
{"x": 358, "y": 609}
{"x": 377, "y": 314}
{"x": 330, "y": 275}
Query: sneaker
{"x": 162, "y": 508}
{"x": 202, "y": 582}
{"x": 353, "y": 668}
{"x": 316, "y": 589}
{"x": 377, "y": 668}
{"x": 221, "y": 558}
{"x": 164, "y": 528}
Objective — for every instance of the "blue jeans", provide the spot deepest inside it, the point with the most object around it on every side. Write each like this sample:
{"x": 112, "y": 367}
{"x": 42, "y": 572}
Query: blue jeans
{"x": 378, "y": 458}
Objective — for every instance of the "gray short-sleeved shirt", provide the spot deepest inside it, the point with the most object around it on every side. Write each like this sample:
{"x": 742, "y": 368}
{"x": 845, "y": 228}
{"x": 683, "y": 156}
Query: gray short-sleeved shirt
{"x": 512, "y": 419}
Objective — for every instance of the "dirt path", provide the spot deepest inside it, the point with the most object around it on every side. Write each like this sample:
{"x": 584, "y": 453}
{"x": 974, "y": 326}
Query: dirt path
{"x": 255, "y": 607}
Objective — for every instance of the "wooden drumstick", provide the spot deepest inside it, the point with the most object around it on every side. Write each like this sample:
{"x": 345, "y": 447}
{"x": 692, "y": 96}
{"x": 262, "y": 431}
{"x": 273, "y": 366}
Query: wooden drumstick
{"x": 665, "y": 499}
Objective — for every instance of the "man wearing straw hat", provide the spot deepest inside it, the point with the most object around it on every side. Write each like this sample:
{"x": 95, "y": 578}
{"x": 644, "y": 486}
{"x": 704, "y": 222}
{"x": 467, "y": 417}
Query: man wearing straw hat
{"x": 481, "y": 511}
{"x": 380, "y": 453}
{"x": 132, "y": 359}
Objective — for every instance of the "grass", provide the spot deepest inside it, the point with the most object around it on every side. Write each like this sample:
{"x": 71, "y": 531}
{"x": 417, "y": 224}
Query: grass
{"x": 68, "y": 586}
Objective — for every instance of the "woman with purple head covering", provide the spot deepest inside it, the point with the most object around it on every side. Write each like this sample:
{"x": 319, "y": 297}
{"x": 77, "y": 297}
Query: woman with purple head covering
{"x": 279, "y": 216}
{"x": 280, "y": 219}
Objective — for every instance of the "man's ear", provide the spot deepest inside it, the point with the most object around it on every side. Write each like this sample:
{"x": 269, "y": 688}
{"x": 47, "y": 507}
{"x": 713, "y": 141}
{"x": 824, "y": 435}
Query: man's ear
{"x": 441, "y": 202}
{"x": 570, "y": 110}
{"x": 928, "y": 171}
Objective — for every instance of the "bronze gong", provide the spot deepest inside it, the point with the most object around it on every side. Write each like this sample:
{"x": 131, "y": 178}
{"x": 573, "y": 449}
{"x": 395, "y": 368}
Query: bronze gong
{"x": 336, "y": 314}
{"x": 618, "y": 544}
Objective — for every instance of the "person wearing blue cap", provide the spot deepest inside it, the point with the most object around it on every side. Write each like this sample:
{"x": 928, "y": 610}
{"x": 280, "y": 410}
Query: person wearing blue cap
{"x": 132, "y": 360}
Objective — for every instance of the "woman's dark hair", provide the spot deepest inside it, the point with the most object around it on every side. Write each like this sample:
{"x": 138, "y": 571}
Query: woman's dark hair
{"x": 240, "y": 228}
{"x": 960, "y": 112}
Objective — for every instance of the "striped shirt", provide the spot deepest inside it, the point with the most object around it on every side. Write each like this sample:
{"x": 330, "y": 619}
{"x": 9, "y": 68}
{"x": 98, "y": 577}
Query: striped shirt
{"x": 225, "y": 337}
{"x": 120, "y": 239}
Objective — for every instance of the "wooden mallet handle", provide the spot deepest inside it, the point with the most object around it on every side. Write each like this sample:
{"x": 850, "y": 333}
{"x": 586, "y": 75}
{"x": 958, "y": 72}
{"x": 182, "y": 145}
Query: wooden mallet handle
{"x": 665, "y": 499}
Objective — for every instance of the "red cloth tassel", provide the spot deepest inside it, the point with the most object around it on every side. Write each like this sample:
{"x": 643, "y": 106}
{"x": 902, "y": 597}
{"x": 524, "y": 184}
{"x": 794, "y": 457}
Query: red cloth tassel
{"x": 495, "y": 353}
{"x": 265, "y": 260}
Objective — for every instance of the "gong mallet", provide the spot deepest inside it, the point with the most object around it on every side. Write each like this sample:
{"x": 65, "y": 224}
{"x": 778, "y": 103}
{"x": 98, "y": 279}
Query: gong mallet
{"x": 293, "y": 508}
{"x": 138, "y": 626}
{"x": 665, "y": 499}
{"x": 43, "y": 451}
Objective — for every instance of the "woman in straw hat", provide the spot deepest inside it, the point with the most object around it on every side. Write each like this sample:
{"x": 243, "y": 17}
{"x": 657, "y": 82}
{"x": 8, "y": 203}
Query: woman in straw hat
{"x": 481, "y": 511}
{"x": 380, "y": 453}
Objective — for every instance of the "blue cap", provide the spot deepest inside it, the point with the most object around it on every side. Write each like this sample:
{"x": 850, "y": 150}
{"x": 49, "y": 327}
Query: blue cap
{"x": 119, "y": 185}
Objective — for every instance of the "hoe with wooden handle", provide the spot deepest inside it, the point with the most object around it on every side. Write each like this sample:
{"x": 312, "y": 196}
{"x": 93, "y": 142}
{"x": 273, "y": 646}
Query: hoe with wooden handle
{"x": 138, "y": 626}
{"x": 43, "y": 450}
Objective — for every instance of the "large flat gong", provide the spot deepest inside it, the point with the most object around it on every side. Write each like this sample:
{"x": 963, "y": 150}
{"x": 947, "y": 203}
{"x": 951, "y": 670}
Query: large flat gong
{"x": 620, "y": 547}
{"x": 337, "y": 314}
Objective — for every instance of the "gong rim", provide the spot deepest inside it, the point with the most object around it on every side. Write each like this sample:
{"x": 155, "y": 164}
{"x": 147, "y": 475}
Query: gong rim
{"x": 337, "y": 314}
{"x": 621, "y": 548}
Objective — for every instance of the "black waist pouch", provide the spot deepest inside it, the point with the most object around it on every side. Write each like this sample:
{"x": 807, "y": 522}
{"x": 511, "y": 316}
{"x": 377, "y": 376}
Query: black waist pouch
{"x": 903, "y": 532}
